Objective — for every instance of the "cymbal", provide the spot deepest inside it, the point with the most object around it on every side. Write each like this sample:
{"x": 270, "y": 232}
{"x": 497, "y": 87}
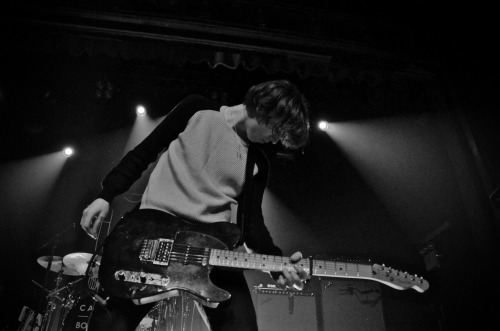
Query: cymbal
{"x": 57, "y": 265}
{"x": 78, "y": 262}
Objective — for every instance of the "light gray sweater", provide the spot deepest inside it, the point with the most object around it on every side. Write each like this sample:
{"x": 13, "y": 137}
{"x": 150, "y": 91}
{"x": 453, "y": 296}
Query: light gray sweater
{"x": 201, "y": 173}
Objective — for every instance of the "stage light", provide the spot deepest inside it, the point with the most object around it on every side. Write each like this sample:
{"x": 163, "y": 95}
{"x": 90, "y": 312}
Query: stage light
{"x": 323, "y": 125}
{"x": 140, "y": 110}
{"x": 68, "y": 151}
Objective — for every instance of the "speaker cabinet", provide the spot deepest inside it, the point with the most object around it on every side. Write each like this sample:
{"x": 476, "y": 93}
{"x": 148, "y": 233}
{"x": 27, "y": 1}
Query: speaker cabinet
{"x": 281, "y": 310}
{"x": 351, "y": 305}
{"x": 325, "y": 304}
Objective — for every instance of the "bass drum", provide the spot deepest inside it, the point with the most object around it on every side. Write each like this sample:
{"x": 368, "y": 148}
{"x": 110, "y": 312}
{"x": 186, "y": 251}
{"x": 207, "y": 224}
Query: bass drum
{"x": 78, "y": 317}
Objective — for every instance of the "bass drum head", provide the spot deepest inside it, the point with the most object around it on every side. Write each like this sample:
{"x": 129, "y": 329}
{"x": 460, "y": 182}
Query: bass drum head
{"x": 79, "y": 316}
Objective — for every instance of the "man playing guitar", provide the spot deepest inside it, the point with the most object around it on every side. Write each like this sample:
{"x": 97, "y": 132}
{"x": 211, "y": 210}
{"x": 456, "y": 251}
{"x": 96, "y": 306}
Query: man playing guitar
{"x": 209, "y": 160}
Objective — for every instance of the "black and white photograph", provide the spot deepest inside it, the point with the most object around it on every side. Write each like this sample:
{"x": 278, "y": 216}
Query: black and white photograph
{"x": 237, "y": 165}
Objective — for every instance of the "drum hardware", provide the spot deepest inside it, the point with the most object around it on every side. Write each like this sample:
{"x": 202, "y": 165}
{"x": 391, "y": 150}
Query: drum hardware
{"x": 80, "y": 262}
{"x": 51, "y": 304}
{"x": 78, "y": 316}
{"x": 68, "y": 304}
{"x": 28, "y": 319}
{"x": 77, "y": 308}
{"x": 57, "y": 301}
{"x": 55, "y": 264}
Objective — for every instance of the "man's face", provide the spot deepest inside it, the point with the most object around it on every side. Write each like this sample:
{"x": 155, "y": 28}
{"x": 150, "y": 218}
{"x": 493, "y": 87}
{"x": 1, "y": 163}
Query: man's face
{"x": 260, "y": 133}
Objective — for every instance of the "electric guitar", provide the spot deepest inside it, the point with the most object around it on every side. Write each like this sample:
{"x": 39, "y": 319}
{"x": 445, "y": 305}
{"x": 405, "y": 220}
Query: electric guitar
{"x": 153, "y": 258}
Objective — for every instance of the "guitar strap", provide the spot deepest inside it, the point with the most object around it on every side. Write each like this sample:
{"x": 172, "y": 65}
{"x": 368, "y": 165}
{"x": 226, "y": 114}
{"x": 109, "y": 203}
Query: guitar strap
{"x": 243, "y": 208}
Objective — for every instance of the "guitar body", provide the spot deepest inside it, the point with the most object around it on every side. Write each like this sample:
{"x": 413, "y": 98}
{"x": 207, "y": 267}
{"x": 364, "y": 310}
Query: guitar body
{"x": 126, "y": 273}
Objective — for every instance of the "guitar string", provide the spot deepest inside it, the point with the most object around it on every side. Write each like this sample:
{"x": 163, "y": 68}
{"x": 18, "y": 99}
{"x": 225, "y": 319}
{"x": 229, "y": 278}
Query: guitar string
{"x": 186, "y": 253}
{"x": 189, "y": 254}
{"x": 181, "y": 252}
{"x": 199, "y": 253}
{"x": 364, "y": 271}
{"x": 328, "y": 270}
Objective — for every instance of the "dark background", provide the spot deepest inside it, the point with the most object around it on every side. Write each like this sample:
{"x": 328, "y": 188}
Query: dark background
{"x": 416, "y": 164}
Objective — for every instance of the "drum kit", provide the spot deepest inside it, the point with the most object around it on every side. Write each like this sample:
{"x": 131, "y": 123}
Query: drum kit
{"x": 63, "y": 300}
{"x": 67, "y": 308}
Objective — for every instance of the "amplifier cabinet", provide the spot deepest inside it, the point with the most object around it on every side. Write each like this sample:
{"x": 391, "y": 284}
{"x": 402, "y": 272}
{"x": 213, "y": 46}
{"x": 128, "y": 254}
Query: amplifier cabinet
{"x": 351, "y": 305}
{"x": 325, "y": 304}
{"x": 283, "y": 310}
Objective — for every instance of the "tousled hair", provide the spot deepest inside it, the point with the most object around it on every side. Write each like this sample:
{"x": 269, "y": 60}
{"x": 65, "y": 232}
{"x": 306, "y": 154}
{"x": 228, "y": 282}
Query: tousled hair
{"x": 280, "y": 104}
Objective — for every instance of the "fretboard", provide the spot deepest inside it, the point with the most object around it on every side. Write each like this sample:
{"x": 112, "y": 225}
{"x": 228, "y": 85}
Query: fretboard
{"x": 241, "y": 260}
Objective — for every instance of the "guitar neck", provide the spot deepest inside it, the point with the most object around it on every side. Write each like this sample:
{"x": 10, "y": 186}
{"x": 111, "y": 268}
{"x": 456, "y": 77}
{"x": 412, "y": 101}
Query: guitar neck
{"x": 340, "y": 269}
{"x": 241, "y": 260}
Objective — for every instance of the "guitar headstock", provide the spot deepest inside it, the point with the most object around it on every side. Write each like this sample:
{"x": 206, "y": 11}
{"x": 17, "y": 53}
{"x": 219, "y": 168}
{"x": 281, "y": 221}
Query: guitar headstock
{"x": 398, "y": 279}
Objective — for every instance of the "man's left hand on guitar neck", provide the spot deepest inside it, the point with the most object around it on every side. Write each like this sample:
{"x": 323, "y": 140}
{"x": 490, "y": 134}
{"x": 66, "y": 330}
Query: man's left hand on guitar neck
{"x": 295, "y": 277}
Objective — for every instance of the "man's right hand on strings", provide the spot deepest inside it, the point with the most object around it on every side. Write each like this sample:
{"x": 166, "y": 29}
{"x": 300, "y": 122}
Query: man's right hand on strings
{"x": 93, "y": 215}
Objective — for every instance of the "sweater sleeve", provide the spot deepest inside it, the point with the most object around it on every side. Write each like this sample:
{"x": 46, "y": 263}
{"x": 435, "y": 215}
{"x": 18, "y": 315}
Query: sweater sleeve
{"x": 257, "y": 236}
{"x": 136, "y": 161}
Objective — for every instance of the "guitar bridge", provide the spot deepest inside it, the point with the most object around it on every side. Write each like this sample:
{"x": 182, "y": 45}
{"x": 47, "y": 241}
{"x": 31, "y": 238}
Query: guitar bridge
{"x": 156, "y": 251}
{"x": 141, "y": 277}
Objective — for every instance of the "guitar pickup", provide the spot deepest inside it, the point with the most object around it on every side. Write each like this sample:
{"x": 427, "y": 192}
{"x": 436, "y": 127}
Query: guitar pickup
{"x": 141, "y": 277}
{"x": 156, "y": 251}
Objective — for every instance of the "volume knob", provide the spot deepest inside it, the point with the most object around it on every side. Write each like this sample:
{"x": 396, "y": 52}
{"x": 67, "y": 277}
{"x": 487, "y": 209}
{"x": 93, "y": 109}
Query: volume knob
{"x": 120, "y": 275}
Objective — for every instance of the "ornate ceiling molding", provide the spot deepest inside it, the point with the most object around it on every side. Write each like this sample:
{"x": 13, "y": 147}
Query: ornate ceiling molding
{"x": 122, "y": 33}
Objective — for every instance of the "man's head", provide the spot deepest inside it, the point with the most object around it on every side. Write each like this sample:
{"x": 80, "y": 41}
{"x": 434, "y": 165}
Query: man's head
{"x": 280, "y": 105}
